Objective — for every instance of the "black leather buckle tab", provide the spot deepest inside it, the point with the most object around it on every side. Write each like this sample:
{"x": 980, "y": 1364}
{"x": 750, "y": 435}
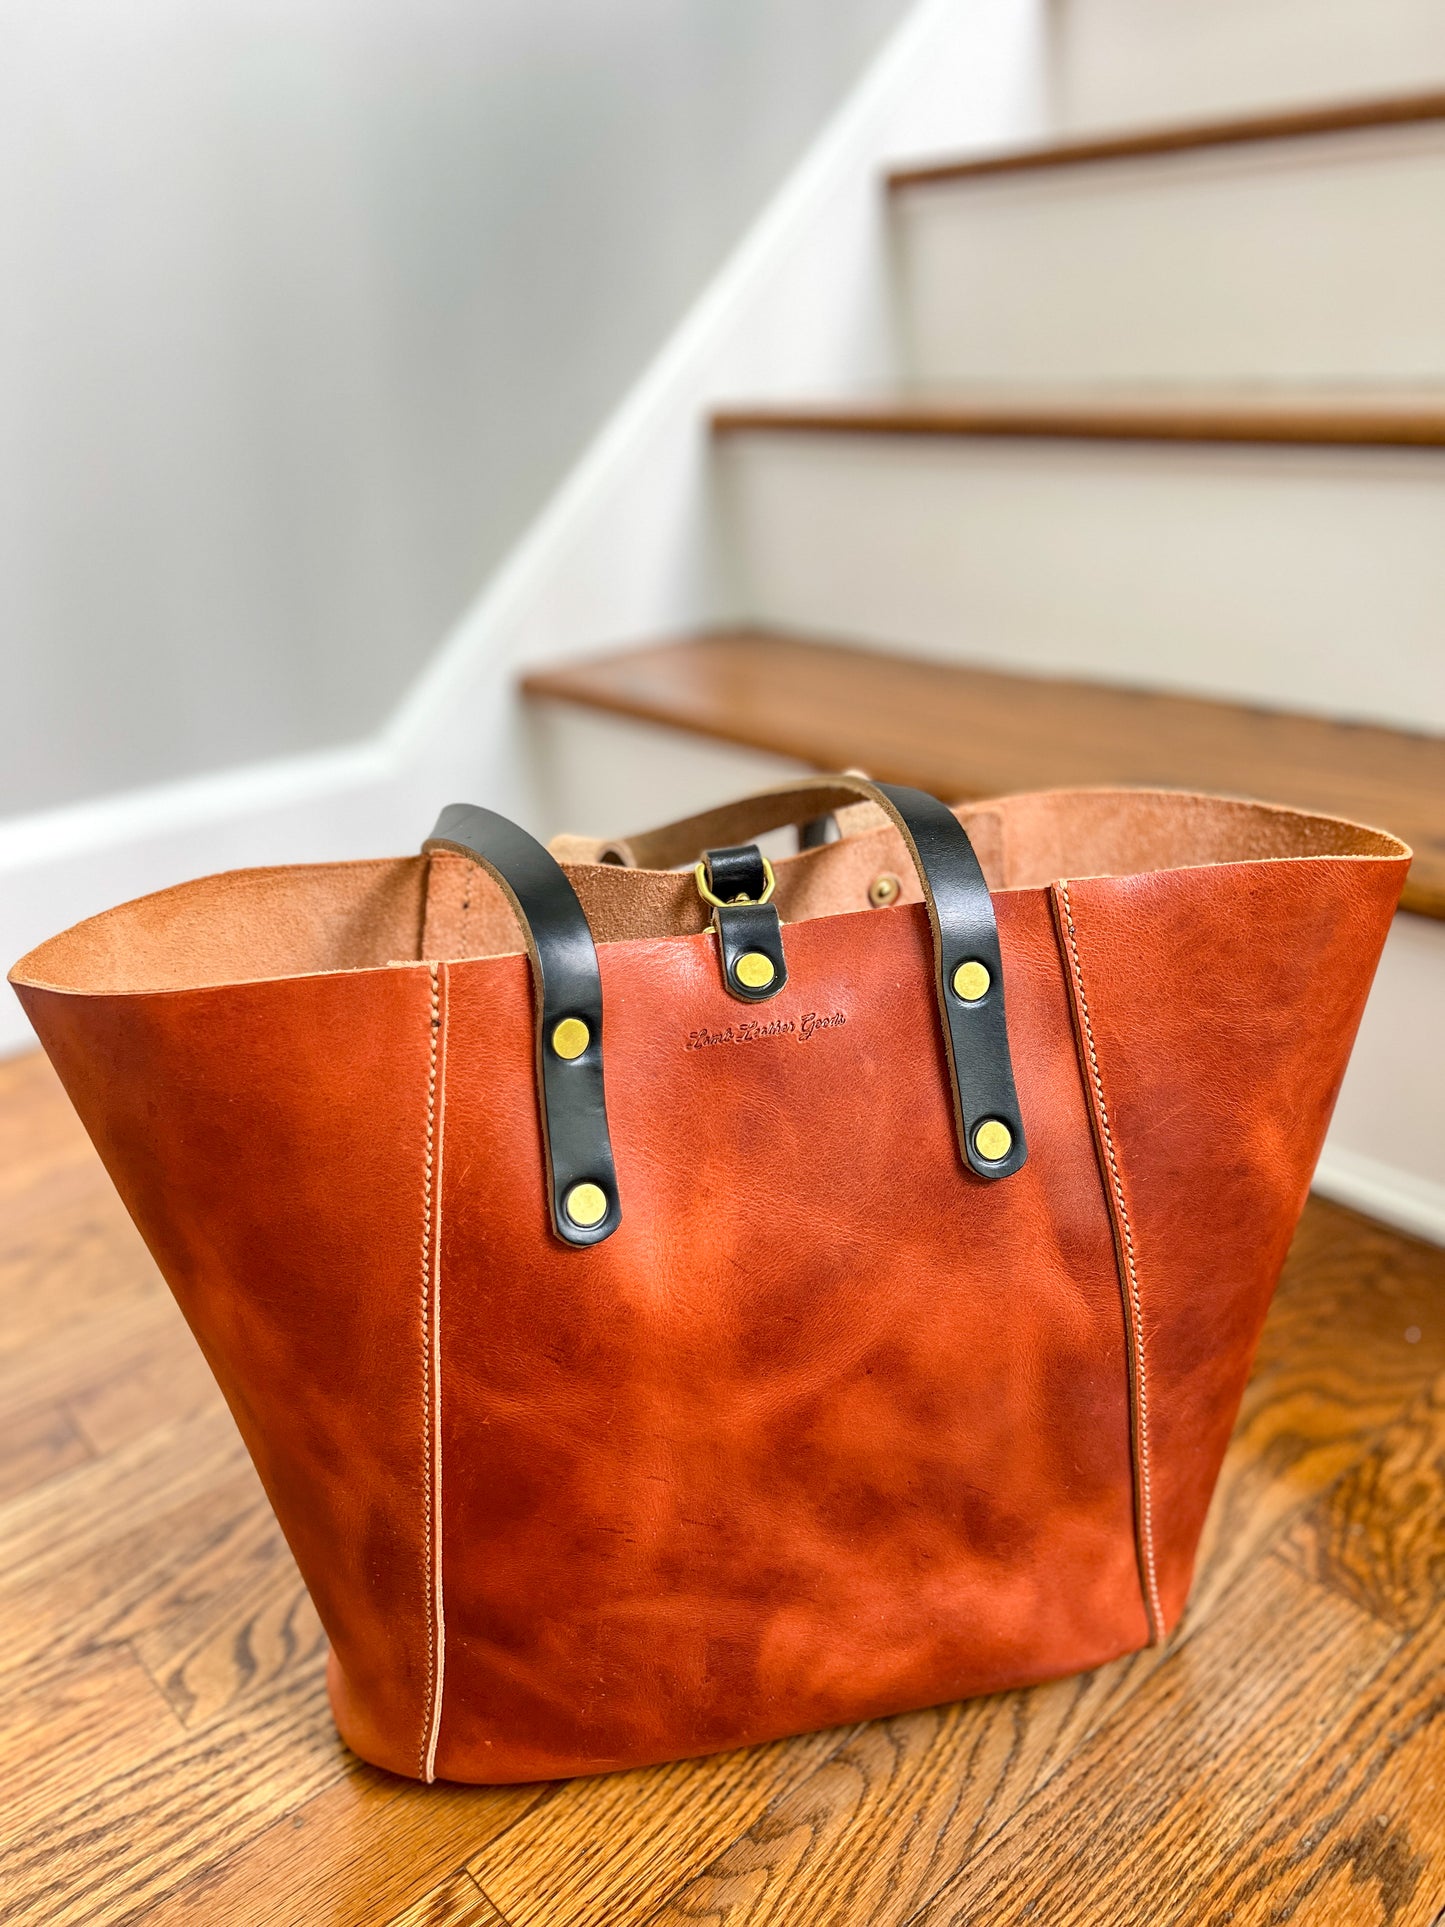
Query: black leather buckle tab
{"x": 567, "y": 1001}
{"x": 738, "y": 882}
{"x": 750, "y": 945}
{"x": 737, "y": 874}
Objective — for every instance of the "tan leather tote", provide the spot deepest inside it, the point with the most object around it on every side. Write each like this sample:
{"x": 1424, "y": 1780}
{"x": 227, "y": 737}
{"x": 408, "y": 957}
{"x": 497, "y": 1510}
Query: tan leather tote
{"x": 853, "y": 1321}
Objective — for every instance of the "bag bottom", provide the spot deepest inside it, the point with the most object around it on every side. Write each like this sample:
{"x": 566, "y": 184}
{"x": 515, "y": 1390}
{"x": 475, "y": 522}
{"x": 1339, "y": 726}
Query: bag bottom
{"x": 515, "y": 1760}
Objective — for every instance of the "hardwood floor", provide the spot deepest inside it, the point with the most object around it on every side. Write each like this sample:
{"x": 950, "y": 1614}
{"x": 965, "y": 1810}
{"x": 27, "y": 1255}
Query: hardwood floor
{"x": 166, "y": 1754}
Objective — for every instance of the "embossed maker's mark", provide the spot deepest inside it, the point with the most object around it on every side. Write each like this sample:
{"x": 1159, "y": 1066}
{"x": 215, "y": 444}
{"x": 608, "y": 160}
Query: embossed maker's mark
{"x": 801, "y": 1029}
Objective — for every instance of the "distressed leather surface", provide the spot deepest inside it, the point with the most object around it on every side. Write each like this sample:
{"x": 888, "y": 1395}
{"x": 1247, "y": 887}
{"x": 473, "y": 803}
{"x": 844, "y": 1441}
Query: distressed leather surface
{"x": 268, "y": 1141}
{"x": 1223, "y": 1004}
{"x": 829, "y": 1428}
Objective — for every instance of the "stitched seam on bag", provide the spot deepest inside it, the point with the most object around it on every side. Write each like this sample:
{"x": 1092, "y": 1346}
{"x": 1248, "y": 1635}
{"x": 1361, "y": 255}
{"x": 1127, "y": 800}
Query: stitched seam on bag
{"x": 431, "y": 1392}
{"x": 438, "y": 1594}
{"x": 1136, "y": 1322}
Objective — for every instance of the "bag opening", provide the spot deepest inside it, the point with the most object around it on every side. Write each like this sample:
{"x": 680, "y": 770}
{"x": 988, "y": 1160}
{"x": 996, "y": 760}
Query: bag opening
{"x": 301, "y": 920}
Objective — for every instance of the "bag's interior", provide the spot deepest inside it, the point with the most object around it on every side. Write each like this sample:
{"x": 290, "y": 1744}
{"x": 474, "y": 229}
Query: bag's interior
{"x": 246, "y": 925}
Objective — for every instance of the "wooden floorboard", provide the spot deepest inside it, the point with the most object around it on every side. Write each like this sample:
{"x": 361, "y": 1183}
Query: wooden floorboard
{"x": 166, "y": 1754}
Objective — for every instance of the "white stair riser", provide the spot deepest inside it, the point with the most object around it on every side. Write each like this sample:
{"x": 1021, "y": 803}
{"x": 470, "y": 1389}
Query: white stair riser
{"x": 1386, "y": 1149}
{"x": 1305, "y": 259}
{"x": 1298, "y": 578}
{"x": 596, "y": 774}
{"x": 1133, "y": 62}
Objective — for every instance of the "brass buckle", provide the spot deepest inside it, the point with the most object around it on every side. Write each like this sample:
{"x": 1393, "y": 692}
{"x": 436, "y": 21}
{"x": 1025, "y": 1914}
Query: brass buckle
{"x": 721, "y": 903}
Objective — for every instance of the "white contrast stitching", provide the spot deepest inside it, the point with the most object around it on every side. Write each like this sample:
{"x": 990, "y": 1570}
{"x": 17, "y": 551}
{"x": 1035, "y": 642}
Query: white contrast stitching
{"x": 1136, "y": 1324}
{"x": 431, "y": 1396}
{"x": 438, "y": 1594}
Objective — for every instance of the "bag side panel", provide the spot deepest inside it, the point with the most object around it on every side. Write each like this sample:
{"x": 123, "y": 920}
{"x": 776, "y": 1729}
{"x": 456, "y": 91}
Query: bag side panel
{"x": 1218, "y": 1006}
{"x": 829, "y": 1427}
{"x": 270, "y": 1142}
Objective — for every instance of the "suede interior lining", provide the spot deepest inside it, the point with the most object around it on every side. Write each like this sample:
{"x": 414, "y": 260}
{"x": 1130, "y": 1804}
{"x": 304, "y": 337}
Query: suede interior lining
{"x": 247, "y": 925}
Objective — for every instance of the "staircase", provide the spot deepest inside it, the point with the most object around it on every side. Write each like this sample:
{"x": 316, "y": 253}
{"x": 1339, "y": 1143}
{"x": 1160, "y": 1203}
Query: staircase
{"x": 1160, "y": 496}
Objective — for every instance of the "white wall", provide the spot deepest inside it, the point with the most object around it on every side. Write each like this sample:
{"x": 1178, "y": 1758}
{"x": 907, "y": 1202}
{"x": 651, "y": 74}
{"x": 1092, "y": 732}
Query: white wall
{"x": 306, "y": 305}
{"x": 626, "y": 544}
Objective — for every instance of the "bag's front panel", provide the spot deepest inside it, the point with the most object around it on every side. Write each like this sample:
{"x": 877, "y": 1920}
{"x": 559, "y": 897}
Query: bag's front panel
{"x": 829, "y": 1427}
{"x": 1217, "y": 1007}
{"x": 270, "y": 1142}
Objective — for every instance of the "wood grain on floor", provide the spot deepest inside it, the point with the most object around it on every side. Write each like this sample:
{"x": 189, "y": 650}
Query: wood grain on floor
{"x": 166, "y": 1753}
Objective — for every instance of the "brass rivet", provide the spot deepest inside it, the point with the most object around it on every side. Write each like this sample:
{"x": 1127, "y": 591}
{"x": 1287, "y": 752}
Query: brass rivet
{"x": 571, "y": 1037}
{"x": 884, "y": 890}
{"x": 586, "y": 1205}
{"x": 754, "y": 970}
{"x": 993, "y": 1140}
{"x": 970, "y": 981}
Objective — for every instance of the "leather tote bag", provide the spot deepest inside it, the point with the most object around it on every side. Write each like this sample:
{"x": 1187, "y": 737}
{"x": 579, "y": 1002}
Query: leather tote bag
{"x": 675, "y": 1300}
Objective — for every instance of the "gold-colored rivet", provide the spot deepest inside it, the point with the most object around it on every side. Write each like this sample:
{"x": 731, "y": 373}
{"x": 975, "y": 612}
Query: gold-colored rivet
{"x": 970, "y": 981}
{"x": 884, "y": 890}
{"x": 571, "y": 1037}
{"x": 754, "y": 970}
{"x": 993, "y": 1140}
{"x": 586, "y": 1205}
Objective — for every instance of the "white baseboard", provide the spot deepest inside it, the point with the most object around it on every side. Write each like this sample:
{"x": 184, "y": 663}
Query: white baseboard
{"x": 1399, "y": 1198}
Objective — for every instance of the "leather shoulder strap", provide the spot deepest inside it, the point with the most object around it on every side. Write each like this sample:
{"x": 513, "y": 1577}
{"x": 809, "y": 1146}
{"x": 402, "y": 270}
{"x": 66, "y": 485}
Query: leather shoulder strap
{"x": 567, "y": 999}
{"x": 968, "y": 981}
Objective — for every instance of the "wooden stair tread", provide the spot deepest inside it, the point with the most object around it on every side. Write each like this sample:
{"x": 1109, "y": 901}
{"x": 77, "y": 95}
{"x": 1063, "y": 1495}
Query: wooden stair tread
{"x": 1337, "y": 117}
{"x": 969, "y": 732}
{"x": 1343, "y": 417}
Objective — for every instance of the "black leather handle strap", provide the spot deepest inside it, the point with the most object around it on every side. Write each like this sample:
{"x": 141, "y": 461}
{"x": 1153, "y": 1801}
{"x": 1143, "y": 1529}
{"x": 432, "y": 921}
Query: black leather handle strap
{"x": 968, "y": 965}
{"x": 567, "y": 998}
